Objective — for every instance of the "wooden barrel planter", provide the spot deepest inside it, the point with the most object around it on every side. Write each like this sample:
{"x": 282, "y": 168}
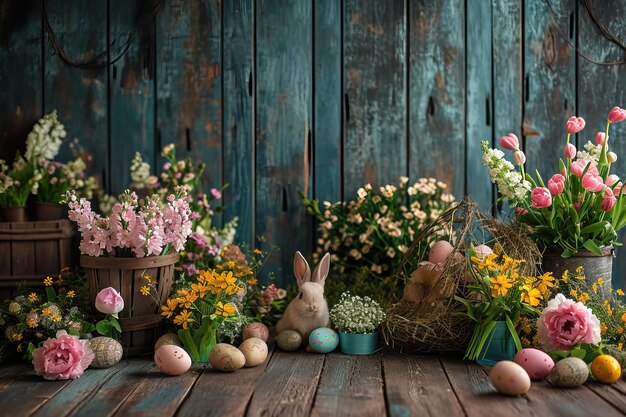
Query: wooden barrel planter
{"x": 140, "y": 319}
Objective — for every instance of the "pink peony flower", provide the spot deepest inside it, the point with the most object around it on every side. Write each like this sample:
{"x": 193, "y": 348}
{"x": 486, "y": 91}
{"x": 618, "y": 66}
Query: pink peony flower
{"x": 593, "y": 182}
{"x": 616, "y": 115}
{"x": 578, "y": 167}
{"x": 608, "y": 201}
{"x": 541, "y": 197}
{"x": 65, "y": 357}
{"x": 510, "y": 142}
{"x": 556, "y": 184}
{"x": 519, "y": 157}
{"x": 569, "y": 151}
{"x": 575, "y": 125}
{"x": 109, "y": 301}
{"x": 565, "y": 323}
{"x": 216, "y": 193}
{"x": 600, "y": 137}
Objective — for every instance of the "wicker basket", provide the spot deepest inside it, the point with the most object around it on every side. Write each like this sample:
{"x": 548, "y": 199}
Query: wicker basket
{"x": 140, "y": 319}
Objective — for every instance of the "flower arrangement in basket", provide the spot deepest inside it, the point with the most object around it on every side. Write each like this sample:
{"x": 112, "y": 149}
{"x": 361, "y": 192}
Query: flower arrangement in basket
{"x": 428, "y": 317}
{"x": 580, "y": 207}
{"x": 357, "y": 320}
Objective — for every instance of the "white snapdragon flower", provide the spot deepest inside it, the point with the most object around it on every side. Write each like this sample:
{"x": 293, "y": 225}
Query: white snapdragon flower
{"x": 592, "y": 152}
{"x": 45, "y": 138}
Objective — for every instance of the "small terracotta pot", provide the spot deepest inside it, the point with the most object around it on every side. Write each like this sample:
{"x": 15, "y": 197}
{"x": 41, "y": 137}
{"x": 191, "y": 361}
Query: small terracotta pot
{"x": 13, "y": 214}
{"x": 49, "y": 211}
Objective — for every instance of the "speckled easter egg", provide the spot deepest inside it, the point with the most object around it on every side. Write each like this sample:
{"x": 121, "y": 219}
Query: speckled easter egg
{"x": 227, "y": 358}
{"x": 323, "y": 340}
{"x": 439, "y": 252}
{"x": 536, "y": 363}
{"x": 259, "y": 330}
{"x": 107, "y": 352}
{"x": 289, "y": 340}
{"x": 172, "y": 360}
{"x": 509, "y": 378}
{"x": 569, "y": 372}
{"x": 254, "y": 350}
{"x": 167, "y": 339}
{"x": 605, "y": 368}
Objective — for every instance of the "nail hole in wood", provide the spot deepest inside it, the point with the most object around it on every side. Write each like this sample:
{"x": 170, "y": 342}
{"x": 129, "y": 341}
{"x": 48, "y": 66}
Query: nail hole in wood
{"x": 487, "y": 112}
{"x": 347, "y": 103}
{"x": 114, "y": 72}
{"x": 310, "y": 148}
{"x": 158, "y": 139}
{"x": 285, "y": 202}
{"x": 250, "y": 84}
{"x": 571, "y": 25}
{"x": 188, "y": 139}
{"x": 526, "y": 88}
{"x": 430, "y": 109}
{"x": 565, "y": 103}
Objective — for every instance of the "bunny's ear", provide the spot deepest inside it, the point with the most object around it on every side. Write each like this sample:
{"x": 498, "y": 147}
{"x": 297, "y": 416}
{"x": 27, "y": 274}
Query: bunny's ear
{"x": 301, "y": 269}
{"x": 321, "y": 271}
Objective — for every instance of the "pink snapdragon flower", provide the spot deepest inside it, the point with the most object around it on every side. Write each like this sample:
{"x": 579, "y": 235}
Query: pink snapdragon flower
{"x": 569, "y": 151}
{"x": 578, "y": 167}
{"x": 575, "y": 125}
{"x": 541, "y": 197}
{"x": 593, "y": 182}
{"x": 556, "y": 184}
{"x": 616, "y": 115}
{"x": 565, "y": 323}
{"x": 65, "y": 357}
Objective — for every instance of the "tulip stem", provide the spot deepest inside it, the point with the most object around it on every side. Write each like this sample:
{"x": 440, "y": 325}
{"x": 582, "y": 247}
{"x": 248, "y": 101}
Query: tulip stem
{"x": 569, "y": 160}
{"x": 603, "y": 159}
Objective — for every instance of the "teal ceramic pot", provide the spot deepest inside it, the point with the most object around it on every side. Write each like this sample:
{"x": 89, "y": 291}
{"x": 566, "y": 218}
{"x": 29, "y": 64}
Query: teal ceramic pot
{"x": 358, "y": 344}
{"x": 501, "y": 347}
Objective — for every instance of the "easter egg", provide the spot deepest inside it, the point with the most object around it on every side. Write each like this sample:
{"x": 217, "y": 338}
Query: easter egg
{"x": 256, "y": 330}
{"x": 509, "y": 378}
{"x": 254, "y": 350}
{"x": 323, "y": 340}
{"x": 172, "y": 360}
{"x": 289, "y": 340}
{"x": 569, "y": 372}
{"x": 536, "y": 363}
{"x": 605, "y": 368}
{"x": 107, "y": 352}
{"x": 227, "y": 358}
{"x": 439, "y": 252}
{"x": 482, "y": 251}
{"x": 167, "y": 339}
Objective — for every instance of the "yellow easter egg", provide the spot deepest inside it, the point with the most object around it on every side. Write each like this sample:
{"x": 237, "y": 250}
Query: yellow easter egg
{"x": 605, "y": 368}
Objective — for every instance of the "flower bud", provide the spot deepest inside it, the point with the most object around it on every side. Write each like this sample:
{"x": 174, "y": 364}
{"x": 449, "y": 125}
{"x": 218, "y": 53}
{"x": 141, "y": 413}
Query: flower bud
{"x": 519, "y": 157}
{"x": 611, "y": 156}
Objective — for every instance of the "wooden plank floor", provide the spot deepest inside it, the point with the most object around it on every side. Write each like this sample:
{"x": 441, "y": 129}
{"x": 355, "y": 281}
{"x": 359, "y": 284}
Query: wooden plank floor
{"x": 299, "y": 384}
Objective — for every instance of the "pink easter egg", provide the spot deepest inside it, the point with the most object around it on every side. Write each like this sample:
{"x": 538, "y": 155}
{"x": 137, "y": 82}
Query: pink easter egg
{"x": 536, "y": 363}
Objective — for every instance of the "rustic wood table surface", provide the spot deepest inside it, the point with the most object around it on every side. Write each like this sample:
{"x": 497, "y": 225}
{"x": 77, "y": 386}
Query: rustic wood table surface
{"x": 299, "y": 384}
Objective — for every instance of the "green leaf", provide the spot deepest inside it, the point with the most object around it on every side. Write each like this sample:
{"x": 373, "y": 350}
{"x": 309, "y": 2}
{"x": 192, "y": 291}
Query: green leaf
{"x": 103, "y": 327}
{"x": 116, "y": 325}
{"x": 511, "y": 326}
{"x": 51, "y": 295}
{"x": 578, "y": 353}
{"x": 73, "y": 332}
{"x": 595, "y": 227}
{"x": 557, "y": 355}
{"x": 592, "y": 247}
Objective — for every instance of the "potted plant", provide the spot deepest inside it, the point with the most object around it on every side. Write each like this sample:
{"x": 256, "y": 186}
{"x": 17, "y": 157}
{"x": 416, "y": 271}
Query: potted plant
{"x": 357, "y": 320}
{"x": 498, "y": 294}
{"x": 16, "y": 185}
{"x": 578, "y": 211}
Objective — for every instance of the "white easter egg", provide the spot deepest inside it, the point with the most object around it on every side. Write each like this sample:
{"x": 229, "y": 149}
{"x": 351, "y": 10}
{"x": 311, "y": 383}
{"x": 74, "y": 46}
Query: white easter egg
{"x": 172, "y": 360}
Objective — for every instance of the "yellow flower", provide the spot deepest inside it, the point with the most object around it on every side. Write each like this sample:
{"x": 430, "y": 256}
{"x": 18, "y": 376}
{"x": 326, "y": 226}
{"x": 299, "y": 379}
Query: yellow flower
{"x": 253, "y": 281}
{"x": 565, "y": 276}
{"x": 47, "y": 281}
{"x": 200, "y": 288}
{"x": 145, "y": 290}
{"x": 32, "y": 323}
{"x": 620, "y": 292}
{"x": 224, "y": 281}
{"x": 257, "y": 252}
{"x": 32, "y": 297}
{"x": 500, "y": 285}
{"x": 624, "y": 317}
{"x": 619, "y": 346}
{"x": 168, "y": 309}
{"x": 594, "y": 288}
{"x": 531, "y": 297}
{"x": 19, "y": 347}
{"x": 46, "y": 312}
{"x": 609, "y": 310}
{"x": 38, "y": 335}
{"x": 584, "y": 297}
{"x": 579, "y": 269}
{"x": 56, "y": 318}
{"x": 230, "y": 264}
{"x": 186, "y": 298}
{"x": 184, "y": 319}
{"x": 573, "y": 293}
{"x": 147, "y": 278}
{"x": 603, "y": 328}
{"x": 546, "y": 282}
{"x": 71, "y": 294}
{"x": 16, "y": 337}
{"x": 600, "y": 282}
{"x": 225, "y": 309}
{"x": 619, "y": 330}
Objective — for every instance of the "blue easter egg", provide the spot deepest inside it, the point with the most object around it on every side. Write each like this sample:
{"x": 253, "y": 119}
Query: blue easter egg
{"x": 323, "y": 340}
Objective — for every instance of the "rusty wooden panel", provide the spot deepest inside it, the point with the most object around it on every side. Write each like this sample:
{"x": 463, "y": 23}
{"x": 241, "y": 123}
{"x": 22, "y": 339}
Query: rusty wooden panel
{"x": 131, "y": 89}
{"x": 437, "y": 92}
{"x": 479, "y": 100}
{"x": 79, "y": 94}
{"x": 549, "y": 81}
{"x": 20, "y": 73}
{"x": 189, "y": 77}
{"x": 238, "y": 139}
{"x": 327, "y": 98}
{"x": 374, "y": 45}
{"x": 283, "y": 122}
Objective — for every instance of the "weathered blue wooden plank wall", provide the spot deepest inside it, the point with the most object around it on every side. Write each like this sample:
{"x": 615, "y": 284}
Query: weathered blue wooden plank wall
{"x": 280, "y": 97}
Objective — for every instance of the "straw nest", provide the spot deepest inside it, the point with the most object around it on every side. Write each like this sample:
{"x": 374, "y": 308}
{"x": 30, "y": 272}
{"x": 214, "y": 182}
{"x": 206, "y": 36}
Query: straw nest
{"x": 427, "y": 319}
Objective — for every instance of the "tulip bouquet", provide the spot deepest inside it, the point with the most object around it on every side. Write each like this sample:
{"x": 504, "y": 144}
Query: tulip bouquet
{"x": 582, "y": 205}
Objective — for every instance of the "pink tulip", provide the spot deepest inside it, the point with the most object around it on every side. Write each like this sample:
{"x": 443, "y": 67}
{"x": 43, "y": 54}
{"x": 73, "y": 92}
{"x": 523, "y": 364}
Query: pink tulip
{"x": 575, "y": 125}
{"x": 617, "y": 189}
{"x": 556, "y": 184}
{"x": 510, "y": 142}
{"x": 109, "y": 301}
{"x": 569, "y": 151}
{"x": 600, "y": 137}
{"x": 608, "y": 201}
{"x": 611, "y": 180}
{"x": 541, "y": 197}
{"x": 216, "y": 193}
{"x": 519, "y": 157}
{"x": 520, "y": 211}
{"x": 593, "y": 182}
{"x": 617, "y": 115}
{"x": 578, "y": 167}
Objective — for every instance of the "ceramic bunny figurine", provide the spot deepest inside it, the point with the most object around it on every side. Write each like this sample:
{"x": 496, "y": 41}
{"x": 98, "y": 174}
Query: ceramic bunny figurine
{"x": 309, "y": 309}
